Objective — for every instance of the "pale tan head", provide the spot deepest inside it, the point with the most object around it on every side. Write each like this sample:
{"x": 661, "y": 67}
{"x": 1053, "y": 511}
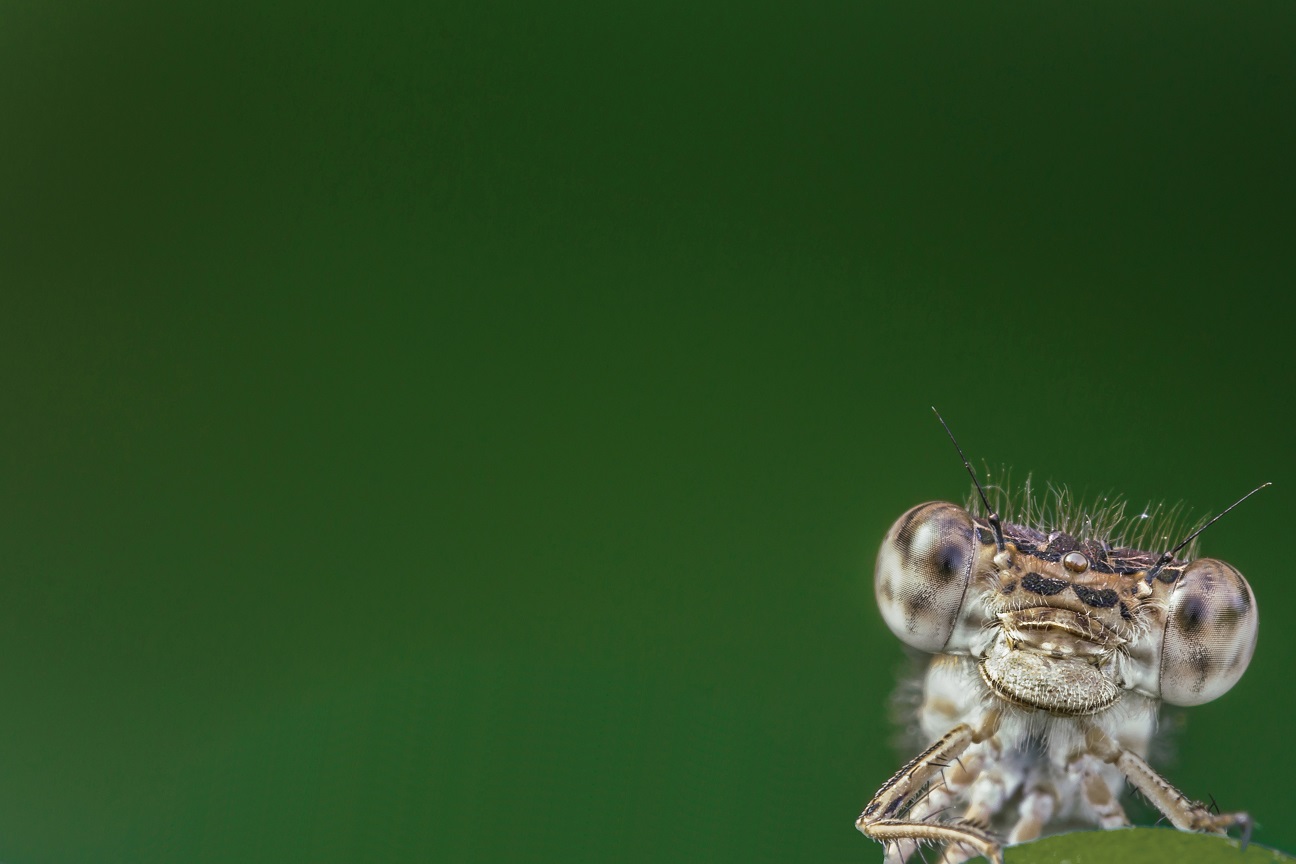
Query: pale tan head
{"x": 1181, "y": 631}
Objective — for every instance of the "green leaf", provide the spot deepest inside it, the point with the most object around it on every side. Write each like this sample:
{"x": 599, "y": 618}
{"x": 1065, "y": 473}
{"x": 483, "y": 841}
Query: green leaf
{"x": 1140, "y": 846}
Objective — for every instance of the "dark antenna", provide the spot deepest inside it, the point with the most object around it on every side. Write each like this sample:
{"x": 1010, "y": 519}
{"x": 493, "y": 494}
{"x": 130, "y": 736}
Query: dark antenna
{"x": 1169, "y": 556}
{"x": 992, "y": 515}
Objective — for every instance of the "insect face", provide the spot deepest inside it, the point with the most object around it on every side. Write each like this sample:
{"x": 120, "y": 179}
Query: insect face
{"x": 1061, "y": 624}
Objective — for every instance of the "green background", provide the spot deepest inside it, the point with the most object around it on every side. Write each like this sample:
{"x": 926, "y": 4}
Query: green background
{"x": 463, "y": 431}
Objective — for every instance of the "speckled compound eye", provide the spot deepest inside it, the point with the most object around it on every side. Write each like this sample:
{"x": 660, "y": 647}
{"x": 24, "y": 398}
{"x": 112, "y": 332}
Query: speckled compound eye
{"x": 922, "y": 573}
{"x": 1210, "y": 633}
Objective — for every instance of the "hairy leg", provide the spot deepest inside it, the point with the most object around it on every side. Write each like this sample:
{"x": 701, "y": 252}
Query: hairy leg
{"x": 886, "y": 819}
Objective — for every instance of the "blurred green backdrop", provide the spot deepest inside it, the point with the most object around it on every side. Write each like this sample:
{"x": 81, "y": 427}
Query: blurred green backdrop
{"x": 463, "y": 431}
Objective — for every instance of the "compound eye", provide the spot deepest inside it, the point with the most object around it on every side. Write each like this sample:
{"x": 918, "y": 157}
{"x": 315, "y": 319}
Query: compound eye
{"x": 922, "y": 573}
{"x": 1210, "y": 634}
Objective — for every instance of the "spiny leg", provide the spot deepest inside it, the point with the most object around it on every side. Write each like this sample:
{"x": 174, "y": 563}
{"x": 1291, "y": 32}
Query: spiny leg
{"x": 985, "y": 843}
{"x": 1183, "y": 813}
{"x": 882, "y": 818}
{"x": 940, "y": 797}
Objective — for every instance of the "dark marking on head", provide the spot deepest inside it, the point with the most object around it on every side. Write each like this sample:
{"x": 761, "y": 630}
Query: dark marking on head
{"x": 1104, "y": 599}
{"x": 1009, "y": 586}
{"x": 1125, "y": 613}
{"x": 1060, "y": 543}
{"x": 985, "y": 537}
{"x": 1103, "y": 557}
{"x": 1037, "y": 584}
{"x": 1167, "y": 575}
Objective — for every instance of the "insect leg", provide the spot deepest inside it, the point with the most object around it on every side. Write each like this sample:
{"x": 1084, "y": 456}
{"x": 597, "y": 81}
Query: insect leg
{"x": 1183, "y": 813}
{"x": 982, "y": 841}
{"x": 938, "y": 799}
{"x": 881, "y": 819}
{"x": 1087, "y": 769}
{"x": 1034, "y": 812}
{"x": 941, "y": 796}
{"x": 998, "y": 781}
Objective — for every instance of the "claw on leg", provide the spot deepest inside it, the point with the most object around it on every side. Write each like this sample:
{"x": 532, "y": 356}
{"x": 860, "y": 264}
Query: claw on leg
{"x": 1183, "y": 813}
